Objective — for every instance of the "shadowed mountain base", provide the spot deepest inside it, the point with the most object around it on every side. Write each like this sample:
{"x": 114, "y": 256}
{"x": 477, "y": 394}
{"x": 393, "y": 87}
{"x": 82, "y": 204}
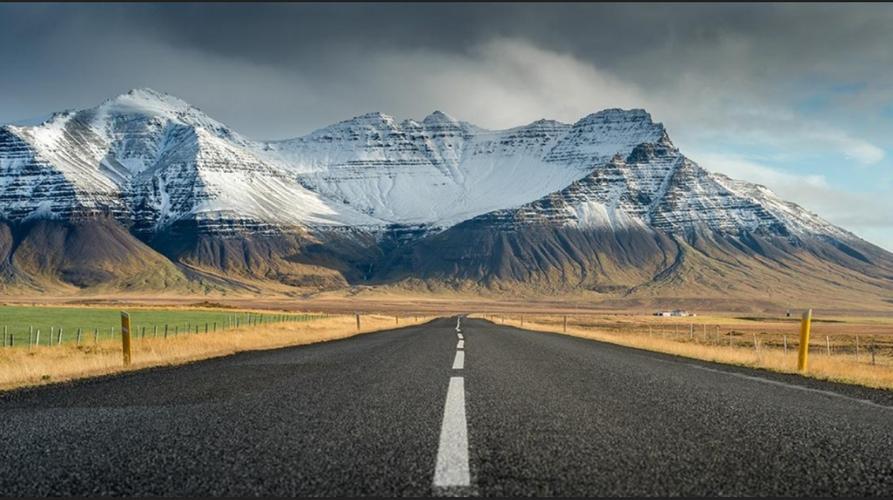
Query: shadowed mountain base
{"x": 100, "y": 254}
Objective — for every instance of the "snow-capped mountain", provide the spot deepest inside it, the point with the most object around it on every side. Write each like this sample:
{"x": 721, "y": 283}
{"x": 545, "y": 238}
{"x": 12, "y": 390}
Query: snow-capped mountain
{"x": 441, "y": 171}
{"x": 656, "y": 187}
{"x": 152, "y": 159}
{"x": 376, "y": 199}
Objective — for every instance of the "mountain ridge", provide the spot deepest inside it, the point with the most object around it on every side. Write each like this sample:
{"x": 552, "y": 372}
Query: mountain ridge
{"x": 606, "y": 204}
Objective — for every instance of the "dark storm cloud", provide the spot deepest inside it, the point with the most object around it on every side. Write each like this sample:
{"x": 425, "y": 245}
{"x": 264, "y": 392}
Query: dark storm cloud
{"x": 608, "y": 35}
{"x": 303, "y": 65}
{"x": 604, "y": 33}
{"x": 102, "y": 49}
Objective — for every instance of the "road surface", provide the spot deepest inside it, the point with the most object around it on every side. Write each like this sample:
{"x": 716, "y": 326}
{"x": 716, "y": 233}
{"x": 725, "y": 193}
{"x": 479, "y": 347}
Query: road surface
{"x": 414, "y": 412}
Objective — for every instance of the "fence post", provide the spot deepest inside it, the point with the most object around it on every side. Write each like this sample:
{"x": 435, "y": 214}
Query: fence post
{"x": 358, "y": 321}
{"x": 396, "y": 320}
{"x": 828, "y": 343}
{"x": 215, "y": 327}
{"x": 785, "y": 337}
{"x": 565, "y": 323}
{"x": 77, "y": 340}
{"x": 95, "y": 336}
{"x": 125, "y": 337}
{"x": 165, "y": 330}
{"x": 872, "y": 350}
{"x": 37, "y": 338}
{"x": 691, "y": 331}
{"x": 803, "y": 354}
{"x": 154, "y": 331}
{"x": 59, "y": 342}
{"x": 756, "y": 347}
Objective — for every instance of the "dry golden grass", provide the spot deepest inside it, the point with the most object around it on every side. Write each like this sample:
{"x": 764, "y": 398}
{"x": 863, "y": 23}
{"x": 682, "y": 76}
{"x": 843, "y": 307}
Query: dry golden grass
{"x": 21, "y": 366}
{"x": 839, "y": 367}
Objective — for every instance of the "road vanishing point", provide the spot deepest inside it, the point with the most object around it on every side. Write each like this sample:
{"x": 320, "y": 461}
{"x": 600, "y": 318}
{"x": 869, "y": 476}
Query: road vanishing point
{"x": 451, "y": 407}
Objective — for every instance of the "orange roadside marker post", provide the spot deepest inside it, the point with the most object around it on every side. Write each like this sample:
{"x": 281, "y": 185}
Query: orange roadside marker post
{"x": 803, "y": 355}
{"x": 125, "y": 337}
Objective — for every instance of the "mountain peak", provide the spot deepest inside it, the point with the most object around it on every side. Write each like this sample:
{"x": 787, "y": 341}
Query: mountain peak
{"x": 147, "y": 92}
{"x": 439, "y": 118}
{"x": 152, "y": 103}
{"x": 148, "y": 98}
{"x": 374, "y": 118}
{"x": 618, "y": 115}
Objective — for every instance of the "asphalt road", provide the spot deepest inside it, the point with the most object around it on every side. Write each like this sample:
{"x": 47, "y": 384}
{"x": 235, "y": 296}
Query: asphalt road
{"x": 386, "y": 414}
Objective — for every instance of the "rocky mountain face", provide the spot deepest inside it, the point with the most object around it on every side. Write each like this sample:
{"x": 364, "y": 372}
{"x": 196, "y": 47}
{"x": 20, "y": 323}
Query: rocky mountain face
{"x": 607, "y": 204}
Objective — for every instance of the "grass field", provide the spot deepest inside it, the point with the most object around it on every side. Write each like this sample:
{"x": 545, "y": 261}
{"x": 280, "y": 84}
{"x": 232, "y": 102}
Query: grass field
{"x": 22, "y": 323}
{"x": 855, "y": 350}
{"x": 842, "y": 333}
{"x": 27, "y": 366}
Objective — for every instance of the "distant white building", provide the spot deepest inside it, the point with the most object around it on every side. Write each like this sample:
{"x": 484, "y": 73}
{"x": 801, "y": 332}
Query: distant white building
{"x": 674, "y": 313}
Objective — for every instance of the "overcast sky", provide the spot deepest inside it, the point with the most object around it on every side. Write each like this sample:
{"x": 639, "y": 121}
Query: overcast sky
{"x": 796, "y": 97}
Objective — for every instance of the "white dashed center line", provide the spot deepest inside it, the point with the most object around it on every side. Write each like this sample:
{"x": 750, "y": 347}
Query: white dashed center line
{"x": 452, "y": 453}
{"x": 459, "y": 361}
{"x": 451, "y": 470}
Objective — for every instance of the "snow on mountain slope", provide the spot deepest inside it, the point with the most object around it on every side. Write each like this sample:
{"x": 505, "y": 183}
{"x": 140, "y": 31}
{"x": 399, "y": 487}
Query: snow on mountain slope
{"x": 656, "y": 187}
{"x": 84, "y": 161}
{"x": 441, "y": 171}
{"x": 205, "y": 177}
{"x": 152, "y": 159}
{"x": 134, "y": 125}
{"x": 57, "y": 168}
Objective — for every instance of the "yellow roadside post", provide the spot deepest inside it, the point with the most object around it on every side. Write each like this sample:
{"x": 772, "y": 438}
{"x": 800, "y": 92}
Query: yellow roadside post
{"x": 125, "y": 337}
{"x": 803, "y": 355}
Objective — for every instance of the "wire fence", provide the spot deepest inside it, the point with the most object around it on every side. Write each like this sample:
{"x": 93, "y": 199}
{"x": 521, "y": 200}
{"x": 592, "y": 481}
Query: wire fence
{"x": 874, "y": 345}
{"x": 145, "y": 324}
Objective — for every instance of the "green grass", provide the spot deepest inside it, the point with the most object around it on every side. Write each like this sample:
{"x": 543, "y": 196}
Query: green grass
{"x": 19, "y": 320}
